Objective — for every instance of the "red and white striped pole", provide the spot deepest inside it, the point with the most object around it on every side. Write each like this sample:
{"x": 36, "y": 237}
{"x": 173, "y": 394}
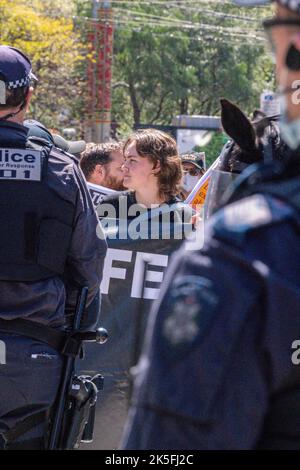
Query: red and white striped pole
{"x": 99, "y": 72}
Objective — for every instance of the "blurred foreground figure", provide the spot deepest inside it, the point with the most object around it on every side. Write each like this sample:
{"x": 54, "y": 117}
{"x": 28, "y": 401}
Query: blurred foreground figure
{"x": 220, "y": 367}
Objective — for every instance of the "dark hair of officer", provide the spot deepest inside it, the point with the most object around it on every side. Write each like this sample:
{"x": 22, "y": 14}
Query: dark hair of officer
{"x": 14, "y": 96}
{"x": 97, "y": 154}
{"x": 161, "y": 148}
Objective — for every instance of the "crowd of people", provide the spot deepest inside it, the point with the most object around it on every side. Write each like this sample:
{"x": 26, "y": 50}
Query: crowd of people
{"x": 147, "y": 164}
{"x": 217, "y": 369}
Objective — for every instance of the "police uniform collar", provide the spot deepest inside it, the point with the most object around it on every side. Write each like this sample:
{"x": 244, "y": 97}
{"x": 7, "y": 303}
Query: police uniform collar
{"x": 15, "y": 125}
{"x": 13, "y": 134}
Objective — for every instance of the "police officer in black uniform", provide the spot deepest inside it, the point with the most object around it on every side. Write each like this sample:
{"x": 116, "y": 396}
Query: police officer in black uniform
{"x": 51, "y": 246}
{"x": 220, "y": 367}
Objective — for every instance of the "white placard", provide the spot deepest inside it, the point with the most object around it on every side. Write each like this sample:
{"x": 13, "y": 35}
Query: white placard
{"x": 270, "y": 103}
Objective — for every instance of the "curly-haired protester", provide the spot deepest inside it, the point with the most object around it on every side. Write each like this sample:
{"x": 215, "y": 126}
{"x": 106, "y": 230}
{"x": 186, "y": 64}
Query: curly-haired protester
{"x": 152, "y": 173}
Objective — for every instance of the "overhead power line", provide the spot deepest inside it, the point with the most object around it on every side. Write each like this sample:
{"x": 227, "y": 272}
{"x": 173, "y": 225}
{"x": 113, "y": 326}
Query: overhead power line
{"x": 207, "y": 12}
{"x": 244, "y": 36}
{"x": 168, "y": 3}
{"x": 172, "y": 22}
{"x": 188, "y": 8}
{"x": 140, "y": 20}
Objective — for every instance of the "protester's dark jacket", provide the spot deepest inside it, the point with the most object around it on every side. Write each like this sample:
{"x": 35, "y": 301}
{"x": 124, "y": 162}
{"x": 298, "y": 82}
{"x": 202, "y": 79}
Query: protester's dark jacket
{"x": 220, "y": 366}
{"x": 45, "y": 301}
{"x": 125, "y": 206}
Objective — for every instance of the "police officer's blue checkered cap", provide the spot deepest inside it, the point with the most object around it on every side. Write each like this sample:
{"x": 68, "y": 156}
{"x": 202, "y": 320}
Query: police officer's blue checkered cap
{"x": 15, "y": 68}
{"x": 293, "y": 5}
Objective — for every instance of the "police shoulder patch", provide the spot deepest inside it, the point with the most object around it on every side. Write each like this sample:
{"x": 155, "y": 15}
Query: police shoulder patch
{"x": 188, "y": 309}
{"x": 234, "y": 221}
{"x": 20, "y": 164}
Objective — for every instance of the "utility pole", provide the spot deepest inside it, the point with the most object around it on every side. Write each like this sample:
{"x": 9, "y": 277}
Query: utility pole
{"x": 99, "y": 73}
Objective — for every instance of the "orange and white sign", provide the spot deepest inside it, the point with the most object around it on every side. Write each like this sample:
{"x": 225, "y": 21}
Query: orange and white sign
{"x": 198, "y": 194}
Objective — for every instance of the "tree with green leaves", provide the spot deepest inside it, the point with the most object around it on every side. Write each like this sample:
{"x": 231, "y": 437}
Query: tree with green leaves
{"x": 40, "y": 30}
{"x": 170, "y": 57}
{"x": 178, "y": 58}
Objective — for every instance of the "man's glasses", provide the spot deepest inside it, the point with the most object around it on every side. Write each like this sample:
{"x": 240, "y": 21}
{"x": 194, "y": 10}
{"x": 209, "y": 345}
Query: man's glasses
{"x": 274, "y": 22}
{"x": 271, "y": 25}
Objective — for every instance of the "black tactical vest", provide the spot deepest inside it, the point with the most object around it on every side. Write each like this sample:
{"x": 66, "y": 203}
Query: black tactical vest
{"x": 35, "y": 226}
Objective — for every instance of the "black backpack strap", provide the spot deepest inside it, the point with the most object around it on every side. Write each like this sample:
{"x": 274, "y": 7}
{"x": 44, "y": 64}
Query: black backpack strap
{"x": 37, "y": 143}
{"x": 64, "y": 343}
{"x": 42, "y": 145}
{"x": 7, "y": 438}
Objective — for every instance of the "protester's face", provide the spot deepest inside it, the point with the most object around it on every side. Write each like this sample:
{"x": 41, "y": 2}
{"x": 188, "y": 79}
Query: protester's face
{"x": 191, "y": 169}
{"x": 113, "y": 176}
{"x": 281, "y": 38}
{"x": 191, "y": 175}
{"x": 138, "y": 171}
